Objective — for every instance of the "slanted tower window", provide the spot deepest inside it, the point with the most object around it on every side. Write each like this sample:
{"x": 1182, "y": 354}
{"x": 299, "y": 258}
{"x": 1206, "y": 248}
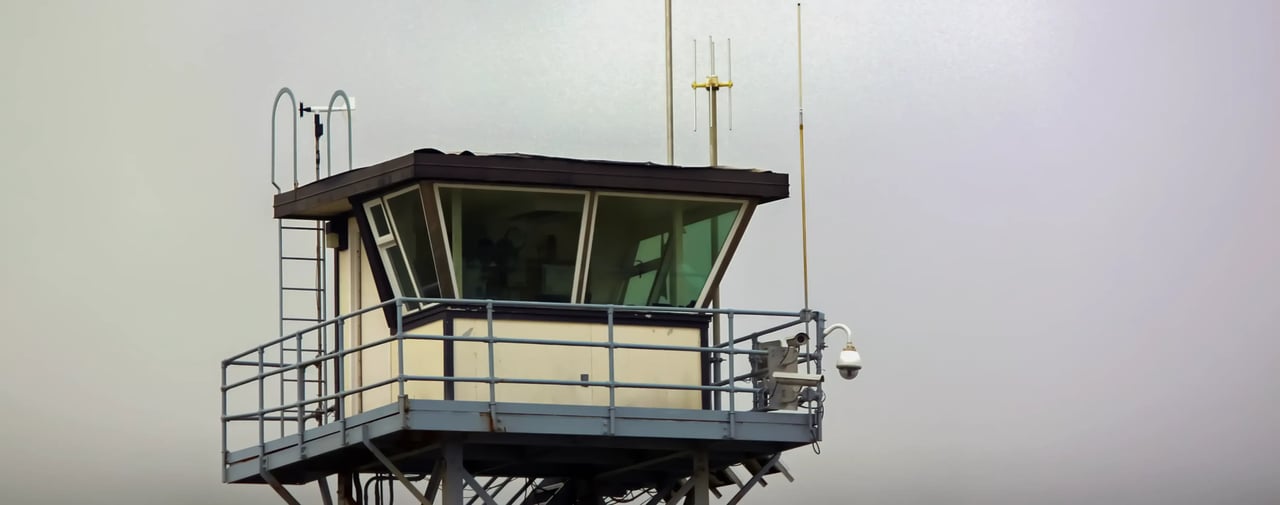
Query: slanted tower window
{"x": 400, "y": 231}
{"x": 514, "y": 244}
{"x": 657, "y": 251}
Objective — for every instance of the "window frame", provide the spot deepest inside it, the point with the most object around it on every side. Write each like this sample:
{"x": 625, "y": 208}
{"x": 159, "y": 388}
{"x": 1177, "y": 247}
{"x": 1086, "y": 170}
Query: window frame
{"x": 588, "y": 207}
{"x": 393, "y": 239}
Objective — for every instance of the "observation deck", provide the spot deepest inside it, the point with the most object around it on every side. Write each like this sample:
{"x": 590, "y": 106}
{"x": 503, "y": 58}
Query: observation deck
{"x": 298, "y": 437}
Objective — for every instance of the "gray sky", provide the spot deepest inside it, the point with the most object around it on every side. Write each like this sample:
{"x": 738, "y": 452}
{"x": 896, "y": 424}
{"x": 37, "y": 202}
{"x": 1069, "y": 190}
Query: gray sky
{"x": 1052, "y": 224}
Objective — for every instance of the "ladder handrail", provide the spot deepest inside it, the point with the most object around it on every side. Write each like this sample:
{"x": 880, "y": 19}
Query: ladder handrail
{"x": 328, "y": 144}
{"x": 275, "y": 107}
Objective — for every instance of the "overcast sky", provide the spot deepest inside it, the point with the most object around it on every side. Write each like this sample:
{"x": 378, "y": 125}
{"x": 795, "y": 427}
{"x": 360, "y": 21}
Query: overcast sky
{"x": 1053, "y": 225}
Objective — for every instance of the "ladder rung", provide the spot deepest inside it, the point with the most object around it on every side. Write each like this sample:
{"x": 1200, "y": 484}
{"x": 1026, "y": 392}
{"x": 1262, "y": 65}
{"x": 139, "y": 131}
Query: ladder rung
{"x": 300, "y": 258}
{"x": 304, "y": 349}
{"x": 308, "y": 228}
{"x": 289, "y": 288}
{"x": 301, "y": 319}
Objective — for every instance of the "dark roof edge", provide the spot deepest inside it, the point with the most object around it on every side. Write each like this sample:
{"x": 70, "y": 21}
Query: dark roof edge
{"x": 330, "y": 196}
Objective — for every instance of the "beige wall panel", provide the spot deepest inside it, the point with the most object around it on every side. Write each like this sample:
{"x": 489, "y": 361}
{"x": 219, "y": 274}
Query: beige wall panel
{"x": 374, "y": 363}
{"x": 525, "y": 361}
{"x": 528, "y": 361}
{"x": 642, "y": 365}
{"x": 382, "y": 362}
{"x": 422, "y": 357}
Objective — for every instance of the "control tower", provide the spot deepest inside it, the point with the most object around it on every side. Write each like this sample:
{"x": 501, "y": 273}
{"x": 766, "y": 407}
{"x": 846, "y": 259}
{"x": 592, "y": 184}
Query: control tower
{"x": 521, "y": 329}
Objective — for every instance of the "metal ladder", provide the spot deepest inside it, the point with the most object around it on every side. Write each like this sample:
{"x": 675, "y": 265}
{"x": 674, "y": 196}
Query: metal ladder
{"x": 312, "y": 275}
{"x": 293, "y": 317}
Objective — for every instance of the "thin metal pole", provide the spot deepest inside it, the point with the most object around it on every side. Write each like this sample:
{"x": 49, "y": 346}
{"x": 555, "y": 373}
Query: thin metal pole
{"x": 732, "y": 394}
{"x": 328, "y": 140}
{"x": 711, "y": 93}
{"x": 400, "y": 345}
{"x": 671, "y": 152}
{"x": 224, "y": 423}
{"x": 612, "y": 384}
{"x": 493, "y": 383}
{"x": 804, "y": 216}
{"x": 262, "y": 406}
{"x": 301, "y": 375}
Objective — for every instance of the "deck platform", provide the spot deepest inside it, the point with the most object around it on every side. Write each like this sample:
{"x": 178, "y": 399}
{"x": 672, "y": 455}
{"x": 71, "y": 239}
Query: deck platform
{"x": 527, "y": 440}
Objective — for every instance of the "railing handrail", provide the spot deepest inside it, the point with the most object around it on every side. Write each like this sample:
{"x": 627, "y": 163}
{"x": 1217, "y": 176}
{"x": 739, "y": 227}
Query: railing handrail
{"x": 712, "y": 384}
{"x": 515, "y": 303}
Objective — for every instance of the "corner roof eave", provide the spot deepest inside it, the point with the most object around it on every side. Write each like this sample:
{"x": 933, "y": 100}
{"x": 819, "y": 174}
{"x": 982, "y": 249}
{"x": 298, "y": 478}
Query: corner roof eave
{"x": 330, "y": 197}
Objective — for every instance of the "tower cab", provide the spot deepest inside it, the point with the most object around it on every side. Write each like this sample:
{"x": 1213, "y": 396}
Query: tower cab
{"x": 538, "y": 279}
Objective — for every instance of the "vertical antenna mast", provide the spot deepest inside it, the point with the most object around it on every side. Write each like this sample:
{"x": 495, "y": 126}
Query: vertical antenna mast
{"x": 804, "y": 217}
{"x": 713, "y": 85}
{"x": 671, "y": 146}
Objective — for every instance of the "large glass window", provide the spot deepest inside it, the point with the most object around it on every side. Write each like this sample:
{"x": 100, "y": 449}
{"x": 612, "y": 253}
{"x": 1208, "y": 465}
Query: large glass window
{"x": 400, "y": 231}
{"x": 513, "y": 244}
{"x": 656, "y": 251}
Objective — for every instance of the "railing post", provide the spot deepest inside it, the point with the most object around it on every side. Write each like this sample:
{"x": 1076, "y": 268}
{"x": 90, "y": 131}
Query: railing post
{"x": 301, "y": 375}
{"x": 262, "y": 392}
{"x": 613, "y": 386}
{"x": 339, "y": 381}
{"x": 493, "y": 385}
{"x": 224, "y": 421}
{"x": 732, "y": 384}
{"x": 400, "y": 345}
{"x": 822, "y": 344}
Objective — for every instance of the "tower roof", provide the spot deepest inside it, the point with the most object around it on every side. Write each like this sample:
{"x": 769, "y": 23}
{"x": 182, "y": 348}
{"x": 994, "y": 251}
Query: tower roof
{"x": 331, "y": 196}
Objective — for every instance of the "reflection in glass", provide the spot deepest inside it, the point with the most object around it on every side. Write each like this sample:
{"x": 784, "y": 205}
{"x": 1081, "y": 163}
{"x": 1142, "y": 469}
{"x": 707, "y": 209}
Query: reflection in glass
{"x": 513, "y": 244}
{"x": 651, "y": 251}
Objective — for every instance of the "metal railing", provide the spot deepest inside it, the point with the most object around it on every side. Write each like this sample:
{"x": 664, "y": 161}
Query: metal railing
{"x": 250, "y": 371}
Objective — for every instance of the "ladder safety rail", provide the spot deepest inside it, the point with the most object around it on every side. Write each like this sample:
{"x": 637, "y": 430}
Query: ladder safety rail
{"x": 349, "y": 107}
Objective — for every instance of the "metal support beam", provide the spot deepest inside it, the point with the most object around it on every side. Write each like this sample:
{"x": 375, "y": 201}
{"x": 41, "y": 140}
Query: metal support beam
{"x": 391, "y": 467}
{"x": 453, "y": 481}
{"x": 433, "y": 485}
{"x": 680, "y": 493}
{"x": 279, "y": 488}
{"x": 325, "y": 496}
{"x": 528, "y": 482}
{"x": 642, "y": 464}
{"x": 755, "y": 478}
{"x": 701, "y": 478}
{"x": 480, "y": 490}
{"x": 345, "y": 495}
{"x": 662, "y": 491}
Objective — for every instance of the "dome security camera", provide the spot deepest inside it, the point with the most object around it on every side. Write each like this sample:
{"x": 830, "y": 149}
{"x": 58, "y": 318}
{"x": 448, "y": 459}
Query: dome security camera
{"x": 849, "y": 363}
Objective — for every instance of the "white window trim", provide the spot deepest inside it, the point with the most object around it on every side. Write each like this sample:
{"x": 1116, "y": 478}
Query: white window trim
{"x": 385, "y": 242}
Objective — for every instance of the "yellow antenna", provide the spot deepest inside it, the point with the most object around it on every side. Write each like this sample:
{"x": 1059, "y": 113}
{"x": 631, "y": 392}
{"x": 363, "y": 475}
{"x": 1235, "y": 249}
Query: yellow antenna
{"x": 804, "y": 217}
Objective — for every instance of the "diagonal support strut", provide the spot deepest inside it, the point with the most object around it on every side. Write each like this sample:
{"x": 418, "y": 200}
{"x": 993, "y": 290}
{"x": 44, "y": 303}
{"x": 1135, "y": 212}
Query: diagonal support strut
{"x": 391, "y": 467}
{"x": 278, "y": 487}
{"x": 759, "y": 475}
